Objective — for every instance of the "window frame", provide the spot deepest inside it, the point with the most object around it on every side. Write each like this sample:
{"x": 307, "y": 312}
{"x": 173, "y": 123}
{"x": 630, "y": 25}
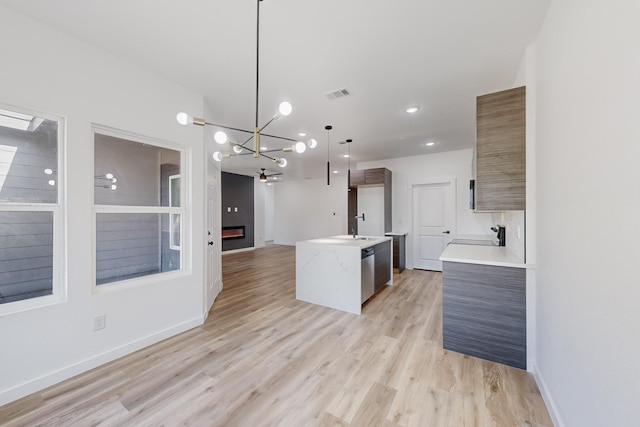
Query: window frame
{"x": 59, "y": 268}
{"x": 174, "y": 217}
{"x": 183, "y": 210}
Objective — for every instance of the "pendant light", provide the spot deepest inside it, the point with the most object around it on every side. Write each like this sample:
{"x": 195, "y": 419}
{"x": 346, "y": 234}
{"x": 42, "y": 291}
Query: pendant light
{"x": 348, "y": 141}
{"x": 256, "y": 133}
{"x": 328, "y": 128}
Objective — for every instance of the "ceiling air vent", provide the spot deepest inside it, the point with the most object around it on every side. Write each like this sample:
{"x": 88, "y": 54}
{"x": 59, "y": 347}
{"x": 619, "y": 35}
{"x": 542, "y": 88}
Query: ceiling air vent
{"x": 340, "y": 93}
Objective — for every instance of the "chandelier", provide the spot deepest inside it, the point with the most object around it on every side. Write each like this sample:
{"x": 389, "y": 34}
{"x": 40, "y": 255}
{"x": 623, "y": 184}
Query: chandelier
{"x": 221, "y": 136}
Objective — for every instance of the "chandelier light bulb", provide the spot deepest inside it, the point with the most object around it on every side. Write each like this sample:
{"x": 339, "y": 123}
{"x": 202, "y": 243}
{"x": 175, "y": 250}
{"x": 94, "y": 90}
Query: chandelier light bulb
{"x": 312, "y": 143}
{"x": 182, "y": 118}
{"x": 114, "y": 187}
{"x": 217, "y": 156}
{"x": 282, "y": 162}
{"x": 300, "y": 147}
{"x": 285, "y": 108}
{"x": 48, "y": 171}
{"x": 220, "y": 137}
{"x": 109, "y": 176}
{"x": 52, "y": 182}
{"x": 237, "y": 149}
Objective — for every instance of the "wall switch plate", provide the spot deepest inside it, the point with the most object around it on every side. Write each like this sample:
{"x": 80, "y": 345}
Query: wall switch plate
{"x": 99, "y": 322}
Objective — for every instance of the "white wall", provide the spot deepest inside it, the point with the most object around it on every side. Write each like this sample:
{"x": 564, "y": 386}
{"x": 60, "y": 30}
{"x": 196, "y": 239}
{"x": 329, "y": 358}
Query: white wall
{"x": 429, "y": 167}
{"x": 259, "y": 213}
{"x": 308, "y": 209}
{"x": 44, "y": 70}
{"x": 269, "y": 212}
{"x": 588, "y": 205}
{"x": 453, "y": 164}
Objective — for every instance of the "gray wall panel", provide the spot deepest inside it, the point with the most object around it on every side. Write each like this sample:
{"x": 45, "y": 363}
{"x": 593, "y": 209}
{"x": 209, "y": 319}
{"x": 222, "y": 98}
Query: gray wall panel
{"x": 127, "y": 245}
{"x": 26, "y": 255}
{"x": 237, "y": 191}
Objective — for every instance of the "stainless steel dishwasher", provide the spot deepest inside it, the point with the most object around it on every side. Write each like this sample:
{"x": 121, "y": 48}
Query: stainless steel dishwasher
{"x": 367, "y": 264}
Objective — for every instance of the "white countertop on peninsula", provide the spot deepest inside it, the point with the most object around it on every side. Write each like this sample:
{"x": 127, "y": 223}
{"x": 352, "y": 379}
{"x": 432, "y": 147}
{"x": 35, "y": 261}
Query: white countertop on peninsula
{"x": 488, "y": 255}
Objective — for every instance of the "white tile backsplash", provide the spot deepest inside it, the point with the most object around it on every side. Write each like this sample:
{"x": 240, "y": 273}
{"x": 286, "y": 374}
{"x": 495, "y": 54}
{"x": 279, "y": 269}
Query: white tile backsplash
{"x": 512, "y": 220}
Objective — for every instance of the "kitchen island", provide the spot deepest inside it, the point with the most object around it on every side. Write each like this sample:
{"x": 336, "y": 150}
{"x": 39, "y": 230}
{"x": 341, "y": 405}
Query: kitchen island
{"x": 329, "y": 270}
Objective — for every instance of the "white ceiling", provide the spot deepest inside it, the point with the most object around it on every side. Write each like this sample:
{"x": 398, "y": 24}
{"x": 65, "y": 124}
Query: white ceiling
{"x": 435, "y": 54}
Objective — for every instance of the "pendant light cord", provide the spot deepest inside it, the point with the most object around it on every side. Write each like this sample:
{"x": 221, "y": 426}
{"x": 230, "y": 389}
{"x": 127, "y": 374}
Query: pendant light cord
{"x": 328, "y": 128}
{"x": 257, "y": 59}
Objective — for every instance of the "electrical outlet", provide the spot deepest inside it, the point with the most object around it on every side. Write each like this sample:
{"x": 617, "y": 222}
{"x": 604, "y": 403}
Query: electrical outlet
{"x": 99, "y": 322}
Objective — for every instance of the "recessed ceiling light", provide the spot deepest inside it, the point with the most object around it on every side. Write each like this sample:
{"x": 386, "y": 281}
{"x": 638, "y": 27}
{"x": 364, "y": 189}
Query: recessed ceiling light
{"x": 412, "y": 110}
{"x": 302, "y": 134}
{"x": 345, "y": 156}
{"x": 335, "y": 171}
{"x": 263, "y": 148}
{"x": 430, "y": 144}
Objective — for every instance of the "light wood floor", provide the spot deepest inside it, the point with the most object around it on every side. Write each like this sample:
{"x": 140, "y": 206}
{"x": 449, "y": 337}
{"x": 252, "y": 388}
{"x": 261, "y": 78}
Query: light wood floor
{"x": 265, "y": 359}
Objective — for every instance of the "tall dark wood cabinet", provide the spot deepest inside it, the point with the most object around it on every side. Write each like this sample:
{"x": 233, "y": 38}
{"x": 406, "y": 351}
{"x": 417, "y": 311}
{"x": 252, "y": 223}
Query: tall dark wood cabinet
{"x": 399, "y": 250}
{"x": 501, "y": 151}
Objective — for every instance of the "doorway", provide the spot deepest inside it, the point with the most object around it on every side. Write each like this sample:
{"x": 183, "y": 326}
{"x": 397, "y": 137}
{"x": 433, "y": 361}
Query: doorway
{"x": 214, "y": 236}
{"x": 433, "y": 222}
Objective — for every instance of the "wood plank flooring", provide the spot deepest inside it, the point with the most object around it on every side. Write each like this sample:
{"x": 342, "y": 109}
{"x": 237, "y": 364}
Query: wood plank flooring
{"x": 265, "y": 359}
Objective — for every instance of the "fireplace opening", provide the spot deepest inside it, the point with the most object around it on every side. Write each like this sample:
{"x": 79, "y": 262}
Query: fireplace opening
{"x": 234, "y": 232}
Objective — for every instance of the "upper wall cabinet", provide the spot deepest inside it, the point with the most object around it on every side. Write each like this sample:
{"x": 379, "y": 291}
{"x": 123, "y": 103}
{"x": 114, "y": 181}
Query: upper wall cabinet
{"x": 500, "y": 151}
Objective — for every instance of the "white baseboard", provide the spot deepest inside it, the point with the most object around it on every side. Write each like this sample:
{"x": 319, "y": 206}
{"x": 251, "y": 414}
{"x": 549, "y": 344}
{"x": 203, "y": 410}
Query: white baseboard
{"x": 546, "y": 396}
{"x": 38, "y": 384}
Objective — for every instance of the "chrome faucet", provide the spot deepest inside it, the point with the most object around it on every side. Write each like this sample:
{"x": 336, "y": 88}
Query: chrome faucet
{"x": 355, "y": 223}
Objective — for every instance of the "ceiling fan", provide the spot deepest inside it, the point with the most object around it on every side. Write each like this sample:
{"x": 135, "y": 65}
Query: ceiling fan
{"x": 264, "y": 177}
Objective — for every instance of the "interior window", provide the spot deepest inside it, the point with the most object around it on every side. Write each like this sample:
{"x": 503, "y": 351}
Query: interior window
{"x": 137, "y": 195}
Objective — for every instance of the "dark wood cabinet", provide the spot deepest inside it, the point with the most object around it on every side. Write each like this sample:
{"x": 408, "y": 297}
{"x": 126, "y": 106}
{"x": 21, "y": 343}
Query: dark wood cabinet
{"x": 382, "y": 264}
{"x": 501, "y": 151}
{"x": 357, "y": 178}
{"x": 484, "y": 312}
{"x": 399, "y": 248}
{"x": 375, "y": 176}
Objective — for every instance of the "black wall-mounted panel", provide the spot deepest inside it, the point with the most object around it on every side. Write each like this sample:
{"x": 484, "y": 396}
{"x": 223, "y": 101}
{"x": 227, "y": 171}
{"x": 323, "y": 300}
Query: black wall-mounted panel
{"x": 237, "y": 192}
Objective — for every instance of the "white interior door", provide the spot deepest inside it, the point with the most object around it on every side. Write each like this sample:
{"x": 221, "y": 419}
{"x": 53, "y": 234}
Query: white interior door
{"x": 433, "y": 219}
{"x": 214, "y": 240}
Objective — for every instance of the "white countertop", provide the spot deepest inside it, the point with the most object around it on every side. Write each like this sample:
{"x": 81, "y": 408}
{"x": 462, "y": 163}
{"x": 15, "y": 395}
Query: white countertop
{"x": 487, "y": 255}
{"x": 361, "y": 242}
{"x": 396, "y": 233}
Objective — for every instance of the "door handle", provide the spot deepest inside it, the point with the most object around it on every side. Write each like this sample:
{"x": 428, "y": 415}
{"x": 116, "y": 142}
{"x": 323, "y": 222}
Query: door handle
{"x": 210, "y": 243}
{"x": 446, "y": 232}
